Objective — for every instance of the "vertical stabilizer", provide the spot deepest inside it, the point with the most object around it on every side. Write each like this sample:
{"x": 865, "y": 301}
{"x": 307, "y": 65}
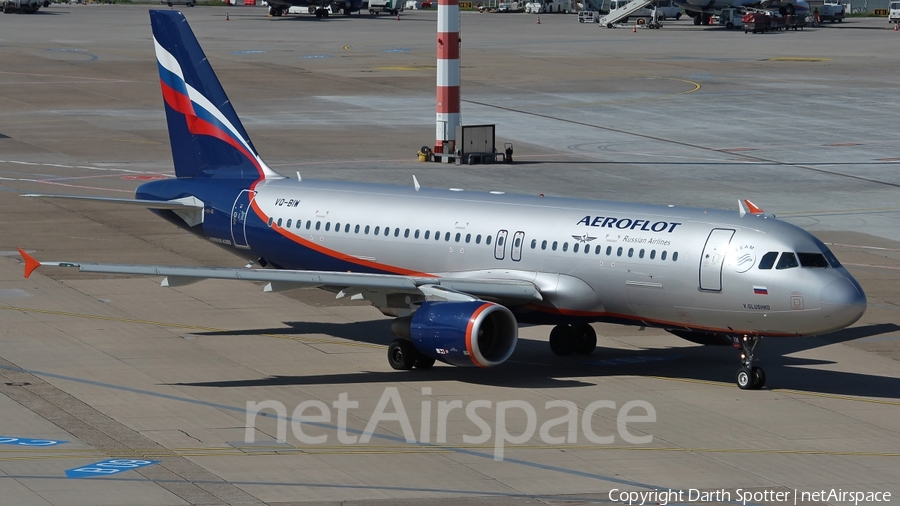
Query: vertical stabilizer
{"x": 207, "y": 137}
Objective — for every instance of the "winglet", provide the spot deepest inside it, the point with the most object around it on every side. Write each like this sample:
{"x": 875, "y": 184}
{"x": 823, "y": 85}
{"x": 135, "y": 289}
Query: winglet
{"x": 749, "y": 207}
{"x": 30, "y": 263}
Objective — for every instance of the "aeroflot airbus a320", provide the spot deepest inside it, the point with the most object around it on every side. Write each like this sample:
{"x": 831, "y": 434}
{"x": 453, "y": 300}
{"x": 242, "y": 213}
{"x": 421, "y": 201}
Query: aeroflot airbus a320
{"x": 460, "y": 270}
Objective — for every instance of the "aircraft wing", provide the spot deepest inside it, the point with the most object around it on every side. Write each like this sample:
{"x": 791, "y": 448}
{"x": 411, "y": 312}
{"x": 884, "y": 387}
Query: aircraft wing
{"x": 359, "y": 285}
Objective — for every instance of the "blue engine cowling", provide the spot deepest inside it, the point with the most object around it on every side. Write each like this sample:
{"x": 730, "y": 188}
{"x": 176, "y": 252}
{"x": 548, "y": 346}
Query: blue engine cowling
{"x": 475, "y": 333}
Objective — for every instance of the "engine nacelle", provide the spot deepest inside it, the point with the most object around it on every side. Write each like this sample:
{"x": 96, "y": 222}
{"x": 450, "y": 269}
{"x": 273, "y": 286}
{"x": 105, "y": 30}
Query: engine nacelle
{"x": 475, "y": 333}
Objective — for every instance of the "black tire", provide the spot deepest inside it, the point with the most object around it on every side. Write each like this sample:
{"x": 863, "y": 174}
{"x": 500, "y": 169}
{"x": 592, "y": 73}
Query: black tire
{"x": 745, "y": 379}
{"x": 424, "y": 362}
{"x": 759, "y": 377}
{"x": 586, "y": 340}
{"x": 677, "y": 16}
{"x": 609, "y": 25}
{"x": 562, "y": 340}
{"x": 729, "y": 25}
{"x": 402, "y": 355}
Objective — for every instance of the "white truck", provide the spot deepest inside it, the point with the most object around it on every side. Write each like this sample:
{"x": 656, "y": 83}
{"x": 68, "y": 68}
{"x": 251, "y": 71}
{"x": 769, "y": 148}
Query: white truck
{"x": 25, "y": 6}
{"x": 833, "y": 11}
{"x": 392, "y": 7}
{"x": 731, "y": 18}
{"x": 894, "y": 13}
{"x": 542, "y": 6}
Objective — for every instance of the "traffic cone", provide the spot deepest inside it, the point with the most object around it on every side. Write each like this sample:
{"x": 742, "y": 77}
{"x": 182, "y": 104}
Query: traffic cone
{"x": 398, "y": 17}
{"x": 539, "y": 20}
{"x": 895, "y": 26}
{"x": 634, "y": 28}
{"x": 226, "y": 17}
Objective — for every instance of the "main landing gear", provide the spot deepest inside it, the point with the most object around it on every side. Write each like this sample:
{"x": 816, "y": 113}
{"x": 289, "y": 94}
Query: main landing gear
{"x": 749, "y": 376}
{"x": 403, "y": 356}
{"x": 568, "y": 339}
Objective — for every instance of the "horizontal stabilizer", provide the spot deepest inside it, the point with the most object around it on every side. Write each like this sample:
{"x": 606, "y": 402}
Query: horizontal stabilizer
{"x": 190, "y": 209}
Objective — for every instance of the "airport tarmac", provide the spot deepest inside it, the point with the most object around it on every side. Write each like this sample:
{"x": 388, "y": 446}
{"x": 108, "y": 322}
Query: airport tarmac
{"x": 805, "y": 124}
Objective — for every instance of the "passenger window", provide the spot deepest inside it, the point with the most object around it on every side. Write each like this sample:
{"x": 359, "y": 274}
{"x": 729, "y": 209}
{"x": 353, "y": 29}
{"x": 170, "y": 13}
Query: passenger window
{"x": 543, "y": 244}
{"x": 406, "y": 234}
{"x": 416, "y": 235}
{"x": 328, "y": 226}
{"x": 356, "y": 229}
{"x": 366, "y": 230}
{"x": 299, "y": 224}
{"x": 663, "y": 256}
{"x": 565, "y": 246}
{"x": 630, "y": 252}
{"x": 554, "y": 246}
{"x": 674, "y": 256}
{"x": 447, "y": 236}
{"x": 787, "y": 261}
{"x": 347, "y": 228}
{"x": 641, "y": 254}
{"x": 516, "y": 244}
{"x": 768, "y": 260}
{"x": 806, "y": 259}
{"x": 289, "y": 225}
{"x": 427, "y": 233}
{"x": 318, "y": 224}
{"x": 500, "y": 241}
{"x": 271, "y": 219}
{"x": 279, "y": 222}
{"x": 597, "y": 249}
{"x": 533, "y": 243}
{"x": 608, "y": 250}
{"x": 587, "y": 248}
{"x": 652, "y": 254}
{"x": 458, "y": 237}
{"x": 619, "y": 251}
{"x": 468, "y": 238}
{"x": 337, "y": 227}
{"x": 387, "y": 231}
{"x": 478, "y": 239}
{"x": 437, "y": 236}
{"x": 575, "y": 248}
{"x": 488, "y": 240}
{"x": 377, "y": 229}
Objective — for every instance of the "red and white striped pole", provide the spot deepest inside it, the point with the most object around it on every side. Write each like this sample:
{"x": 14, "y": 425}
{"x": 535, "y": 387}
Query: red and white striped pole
{"x": 447, "y": 106}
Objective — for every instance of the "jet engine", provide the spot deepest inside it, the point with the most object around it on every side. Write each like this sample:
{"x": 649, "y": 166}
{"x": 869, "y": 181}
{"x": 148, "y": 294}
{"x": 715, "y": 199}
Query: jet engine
{"x": 474, "y": 333}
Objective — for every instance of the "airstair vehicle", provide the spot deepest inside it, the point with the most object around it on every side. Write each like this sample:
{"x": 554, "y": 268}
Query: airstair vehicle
{"x": 624, "y": 12}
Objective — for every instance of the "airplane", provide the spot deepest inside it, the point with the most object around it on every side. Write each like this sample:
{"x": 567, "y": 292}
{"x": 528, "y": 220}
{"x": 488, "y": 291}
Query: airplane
{"x": 702, "y": 10}
{"x": 461, "y": 270}
{"x": 317, "y": 7}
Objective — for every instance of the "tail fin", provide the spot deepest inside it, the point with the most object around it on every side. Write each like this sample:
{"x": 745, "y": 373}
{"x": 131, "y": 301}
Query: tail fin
{"x": 207, "y": 137}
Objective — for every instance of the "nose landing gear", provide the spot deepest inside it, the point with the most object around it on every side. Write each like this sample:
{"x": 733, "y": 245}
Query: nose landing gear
{"x": 749, "y": 376}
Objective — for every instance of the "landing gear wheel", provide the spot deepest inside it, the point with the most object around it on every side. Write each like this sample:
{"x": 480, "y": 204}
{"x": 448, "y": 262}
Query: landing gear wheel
{"x": 563, "y": 340}
{"x": 745, "y": 378}
{"x": 759, "y": 377}
{"x": 749, "y": 377}
{"x": 402, "y": 355}
{"x": 424, "y": 362}
{"x": 586, "y": 339}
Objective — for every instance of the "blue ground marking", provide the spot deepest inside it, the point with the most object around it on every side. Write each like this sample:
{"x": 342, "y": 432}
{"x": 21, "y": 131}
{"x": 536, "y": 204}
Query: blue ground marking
{"x": 24, "y": 441}
{"x": 249, "y": 51}
{"x": 108, "y": 468}
{"x": 642, "y": 359}
{"x": 396, "y": 439}
{"x": 92, "y": 57}
{"x": 317, "y": 56}
{"x": 396, "y": 50}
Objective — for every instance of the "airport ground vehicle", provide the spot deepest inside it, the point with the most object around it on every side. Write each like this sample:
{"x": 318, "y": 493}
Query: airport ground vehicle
{"x": 894, "y": 13}
{"x": 731, "y": 18}
{"x": 668, "y": 10}
{"x": 24, "y": 6}
{"x": 392, "y": 7}
{"x": 832, "y": 10}
{"x": 756, "y": 22}
{"x": 548, "y": 6}
{"x": 189, "y": 3}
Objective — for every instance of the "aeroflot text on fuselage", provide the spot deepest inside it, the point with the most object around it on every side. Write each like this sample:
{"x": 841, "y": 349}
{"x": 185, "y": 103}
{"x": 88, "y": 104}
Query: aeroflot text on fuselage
{"x": 628, "y": 224}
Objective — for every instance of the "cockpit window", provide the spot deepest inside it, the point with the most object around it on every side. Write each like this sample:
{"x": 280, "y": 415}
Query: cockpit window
{"x": 812, "y": 260}
{"x": 787, "y": 261}
{"x": 832, "y": 260}
{"x": 768, "y": 260}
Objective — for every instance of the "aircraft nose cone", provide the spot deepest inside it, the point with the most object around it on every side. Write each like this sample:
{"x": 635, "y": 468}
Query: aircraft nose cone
{"x": 843, "y": 301}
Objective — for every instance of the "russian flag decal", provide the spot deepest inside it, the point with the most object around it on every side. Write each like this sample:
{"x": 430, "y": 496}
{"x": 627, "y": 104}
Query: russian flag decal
{"x": 760, "y": 290}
